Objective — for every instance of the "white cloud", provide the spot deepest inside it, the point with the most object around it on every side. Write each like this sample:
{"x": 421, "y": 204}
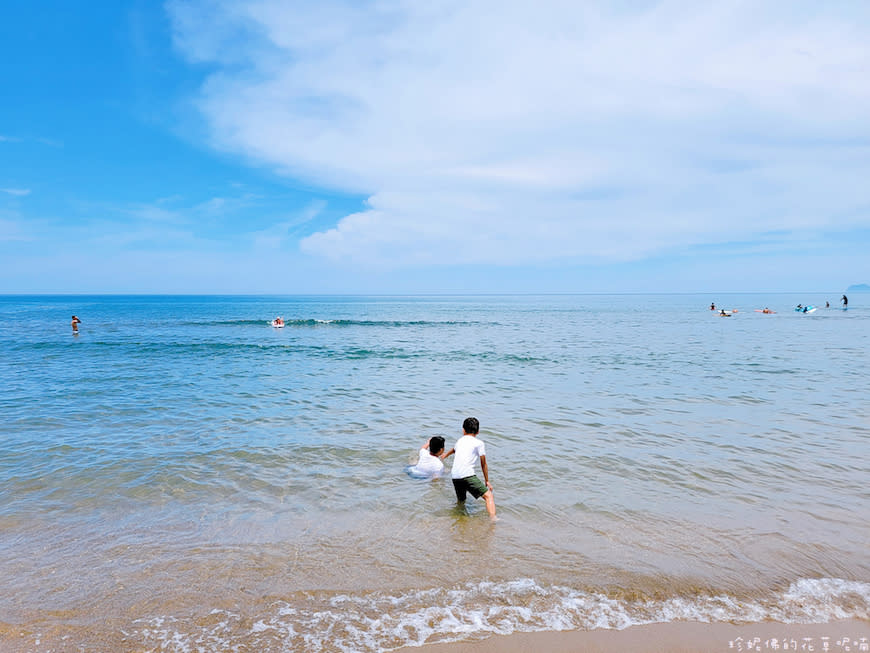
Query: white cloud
{"x": 17, "y": 192}
{"x": 510, "y": 132}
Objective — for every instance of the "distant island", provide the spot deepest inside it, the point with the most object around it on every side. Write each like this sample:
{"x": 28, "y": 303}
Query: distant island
{"x": 859, "y": 287}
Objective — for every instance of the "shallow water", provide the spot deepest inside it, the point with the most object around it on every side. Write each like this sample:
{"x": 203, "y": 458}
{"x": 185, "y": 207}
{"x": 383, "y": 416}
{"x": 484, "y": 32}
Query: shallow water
{"x": 181, "y": 476}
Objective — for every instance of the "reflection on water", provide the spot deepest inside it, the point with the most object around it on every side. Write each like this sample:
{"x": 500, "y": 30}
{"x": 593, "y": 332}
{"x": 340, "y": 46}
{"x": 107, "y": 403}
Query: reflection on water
{"x": 181, "y": 473}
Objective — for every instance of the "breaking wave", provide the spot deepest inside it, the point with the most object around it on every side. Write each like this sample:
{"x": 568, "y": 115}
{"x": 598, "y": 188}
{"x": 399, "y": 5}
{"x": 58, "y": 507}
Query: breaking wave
{"x": 383, "y": 622}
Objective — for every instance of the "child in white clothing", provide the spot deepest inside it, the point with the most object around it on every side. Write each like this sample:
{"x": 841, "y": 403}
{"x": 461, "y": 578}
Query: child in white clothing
{"x": 469, "y": 451}
{"x": 429, "y": 464}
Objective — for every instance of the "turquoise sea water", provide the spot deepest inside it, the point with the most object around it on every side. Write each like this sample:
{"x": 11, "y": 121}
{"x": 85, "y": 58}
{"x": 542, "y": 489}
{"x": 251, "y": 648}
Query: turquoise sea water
{"x": 181, "y": 476}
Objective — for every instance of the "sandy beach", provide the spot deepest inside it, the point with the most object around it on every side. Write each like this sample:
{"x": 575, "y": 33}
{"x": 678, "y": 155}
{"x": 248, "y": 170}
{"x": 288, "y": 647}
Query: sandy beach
{"x": 851, "y": 635}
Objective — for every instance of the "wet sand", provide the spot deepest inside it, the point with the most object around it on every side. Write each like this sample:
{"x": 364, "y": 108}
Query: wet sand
{"x": 683, "y": 637}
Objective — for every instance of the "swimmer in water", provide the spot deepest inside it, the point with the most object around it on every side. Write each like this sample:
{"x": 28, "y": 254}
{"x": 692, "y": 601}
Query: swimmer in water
{"x": 75, "y": 325}
{"x": 429, "y": 463}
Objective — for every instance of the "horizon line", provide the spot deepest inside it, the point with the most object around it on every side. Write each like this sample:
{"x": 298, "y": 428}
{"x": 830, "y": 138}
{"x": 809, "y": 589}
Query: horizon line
{"x": 420, "y": 293}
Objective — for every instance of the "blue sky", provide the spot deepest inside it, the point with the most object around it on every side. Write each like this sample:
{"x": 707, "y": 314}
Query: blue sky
{"x": 226, "y": 146}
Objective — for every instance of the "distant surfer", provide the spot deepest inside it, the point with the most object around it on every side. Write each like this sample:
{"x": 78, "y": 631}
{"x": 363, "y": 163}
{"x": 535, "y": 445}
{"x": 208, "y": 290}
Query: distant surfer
{"x": 845, "y": 301}
{"x": 722, "y": 313}
{"x": 429, "y": 463}
{"x": 712, "y": 306}
{"x": 75, "y": 325}
{"x": 278, "y": 322}
{"x": 827, "y": 304}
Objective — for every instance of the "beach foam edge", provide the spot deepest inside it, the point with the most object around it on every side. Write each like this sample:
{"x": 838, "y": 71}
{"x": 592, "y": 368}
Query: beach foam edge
{"x": 851, "y": 635}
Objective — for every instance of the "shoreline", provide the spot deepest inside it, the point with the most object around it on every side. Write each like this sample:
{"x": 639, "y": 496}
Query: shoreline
{"x": 851, "y": 635}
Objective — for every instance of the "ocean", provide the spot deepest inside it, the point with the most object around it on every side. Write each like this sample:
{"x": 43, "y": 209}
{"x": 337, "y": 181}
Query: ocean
{"x": 181, "y": 476}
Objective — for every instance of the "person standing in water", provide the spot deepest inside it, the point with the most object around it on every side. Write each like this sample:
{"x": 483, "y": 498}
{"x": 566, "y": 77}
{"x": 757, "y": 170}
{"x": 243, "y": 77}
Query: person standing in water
{"x": 845, "y": 301}
{"x": 75, "y": 325}
{"x": 469, "y": 449}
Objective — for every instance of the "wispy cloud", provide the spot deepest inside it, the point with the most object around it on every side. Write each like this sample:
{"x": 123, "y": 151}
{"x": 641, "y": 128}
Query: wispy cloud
{"x": 224, "y": 205}
{"x": 44, "y": 141}
{"x": 280, "y": 234}
{"x": 169, "y": 210}
{"x": 17, "y": 192}
{"x": 511, "y": 132}
{"x": 51, "y": 142}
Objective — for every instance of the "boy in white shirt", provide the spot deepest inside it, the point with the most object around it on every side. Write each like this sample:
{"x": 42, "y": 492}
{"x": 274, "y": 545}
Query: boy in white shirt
{"x": 429, "y": 463}
{"x": 469, "y": 449}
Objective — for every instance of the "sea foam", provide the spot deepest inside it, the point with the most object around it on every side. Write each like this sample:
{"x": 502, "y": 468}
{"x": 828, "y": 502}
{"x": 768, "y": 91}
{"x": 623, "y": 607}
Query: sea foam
{"x": 382, "y": 622}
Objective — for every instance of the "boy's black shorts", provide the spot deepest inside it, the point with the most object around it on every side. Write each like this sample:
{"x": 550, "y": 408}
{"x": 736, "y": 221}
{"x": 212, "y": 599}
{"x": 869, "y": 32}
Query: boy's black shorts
{"x": 469, "y": 484}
